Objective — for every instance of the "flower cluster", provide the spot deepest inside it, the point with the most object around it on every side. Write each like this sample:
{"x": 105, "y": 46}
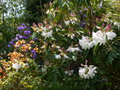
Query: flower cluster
{"x": 71, "y": 49}
{"x": 45, "y": 30}
{"x": 98, "y": 37}
{"x": 24, "y": 33}
{"x": 13, "y": 56}
{"x": 87, "y": 72}
{"x": 19, "y": 65}
{"x": 23, "y": 44}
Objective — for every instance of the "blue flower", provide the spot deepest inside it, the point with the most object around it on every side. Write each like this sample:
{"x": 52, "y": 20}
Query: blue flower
{"x": 82, "y": 24}
{"x": 20, "y": 28}
{"x": 33, "y": 51}
{"x": 16, "y": 38}
{"x": 80, "y": 12}
{"x": 12, "y": 42}
{"x": 23, "y": 24}
{"x": 8, "y": 45}
{"x": 17, "y": 35}
{"x": 27, "y": 32}
{"x": 23, "y": 37}
{"x": 34, "y": 54}
{"x": 83, "y": 16}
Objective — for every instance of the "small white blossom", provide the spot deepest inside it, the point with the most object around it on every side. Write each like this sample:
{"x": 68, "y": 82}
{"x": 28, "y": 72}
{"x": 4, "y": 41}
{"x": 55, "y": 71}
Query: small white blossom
{"x": 47, "y": 34}
{"x": 99, "y": 37}
{"x": 50, "y": 11}
{"x": 84, "y": 43}
{"x": 67, "y": 22}
{"x": 16, "y": 66}
{"x": 43, "y": 28}
{"x": 110, "y": 35}
{"x": 71, "y": 49}
{"x": 87, "y": 72}
{"x": 71, "y": 35}
{"x": 44, "y": 68}
{"x": 57, "y": 56}
{"x": 69, "y": 72}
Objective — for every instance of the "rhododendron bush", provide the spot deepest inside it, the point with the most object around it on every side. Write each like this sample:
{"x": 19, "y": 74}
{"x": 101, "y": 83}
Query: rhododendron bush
{"x": 76, "y": 47}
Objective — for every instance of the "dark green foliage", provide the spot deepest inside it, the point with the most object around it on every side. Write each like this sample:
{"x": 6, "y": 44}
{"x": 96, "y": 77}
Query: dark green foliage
{"x": 35, "y": 10}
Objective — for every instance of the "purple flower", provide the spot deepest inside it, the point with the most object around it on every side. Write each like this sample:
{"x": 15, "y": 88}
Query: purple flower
{"x": 82, "y": 24}
{"x": 27, "y": 32}
{"x": 12, "y": 42}
{"x": 33, "y": 51}
{"x": 17, "y": 35}
{"x": 34, "y": 54}
{"x": 16, "y": 38}
{"x": 20, "y": 28}
{"x": 23, "y": 24}
{"x": 83, "y": 16}
{"x": 8, "y": 45}
{"x": 23, "y": 37}
{"x": 80, "y": 12}
{"x": 28, "y": 27}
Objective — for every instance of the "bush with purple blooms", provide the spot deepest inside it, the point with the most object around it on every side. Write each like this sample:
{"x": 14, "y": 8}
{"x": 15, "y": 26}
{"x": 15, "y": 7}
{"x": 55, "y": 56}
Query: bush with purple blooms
{"x": 24, "y": 43}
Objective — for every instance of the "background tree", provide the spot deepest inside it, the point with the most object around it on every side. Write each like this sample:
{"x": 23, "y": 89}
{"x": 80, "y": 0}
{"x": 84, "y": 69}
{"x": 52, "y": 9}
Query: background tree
{"x": 35, "y": 10}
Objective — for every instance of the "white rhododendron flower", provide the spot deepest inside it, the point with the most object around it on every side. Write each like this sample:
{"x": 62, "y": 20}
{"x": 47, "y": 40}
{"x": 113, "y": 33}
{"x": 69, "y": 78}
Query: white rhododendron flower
{"x": 110, "y": 35}
{"x": 47, "y": 34}
{"x": 71, "y": 49}
{"x": 67, "y": 22}
{"x": 85, "y": 43}
{"x": 16, "y": 66}
{"x": 57, "y": 56}
{"x": 87, "y": 72}
{"x": 99, "y": 37}
{"x": 44, "y": 28}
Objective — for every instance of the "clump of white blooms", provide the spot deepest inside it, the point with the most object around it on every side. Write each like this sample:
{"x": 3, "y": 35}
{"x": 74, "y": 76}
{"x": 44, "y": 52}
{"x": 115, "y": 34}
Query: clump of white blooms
{"x": 16, "y": 66}
{"x": 19, "y": 65}
{"x": 67, "y": 22}
{"x": 47, "y": 34}
{"x": 110, "y": 35}
{"x": 98, "y": 37}
{"x": 72, "y": 20}
{"x": 85, "y": 43}
{"x": 71, "y": 49}
{"x": 87, "y": 72}
{"x": 57, "y": 56}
